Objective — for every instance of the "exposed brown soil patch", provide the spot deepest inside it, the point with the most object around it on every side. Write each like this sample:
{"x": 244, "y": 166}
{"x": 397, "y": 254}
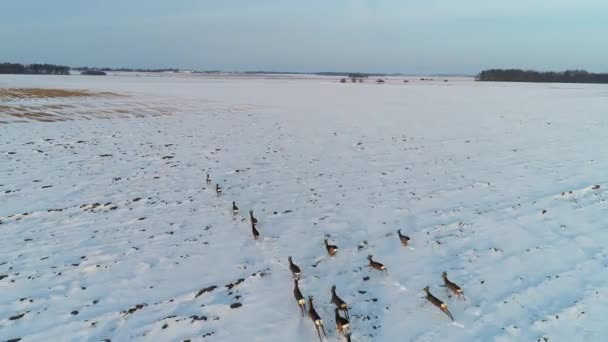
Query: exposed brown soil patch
{"x": 15, "y": 107}
{"x": 32, "y": 93}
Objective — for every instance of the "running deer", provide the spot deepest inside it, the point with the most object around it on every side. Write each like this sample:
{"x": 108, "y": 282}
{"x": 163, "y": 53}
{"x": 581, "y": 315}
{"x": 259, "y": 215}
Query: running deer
{"x": 438, "y": 303}
{"x": 299, "y": 298}
{"x": 295, "y": 270}
{"x": 253, "y": 219}
{"x": 315, "y": 318}
{"x": 403, "y": 238}
{"x": 452, "y": 286}
{"x": 331, "y": 249}
{"x": 338, "y": 302}
{"x": 375, "y": 264}
{"x": 342, "y": 325}
{"x": 255, "y": 231}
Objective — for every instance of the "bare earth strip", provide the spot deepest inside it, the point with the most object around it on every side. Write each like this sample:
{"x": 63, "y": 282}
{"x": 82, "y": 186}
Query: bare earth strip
{"x": 34, "y": 93}
{"x": 21, "y": 105}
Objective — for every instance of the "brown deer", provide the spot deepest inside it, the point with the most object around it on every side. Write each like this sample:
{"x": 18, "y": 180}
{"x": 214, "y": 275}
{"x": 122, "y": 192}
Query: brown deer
{"x": 295, "y": 270}
{"x": 331, "y": 249}
{"x": 255, "y": 231}
{"x": 338, "y": 302}
{"x": 403, "y": 238}
{"x": 375, "y": 264}
{"x": 452, "y": 286}
{"x": 299, "y": 298}
{"x": 342, "y": 325}
{"x": 253, "y": 219}
{"x": 438, "y": 303}
{"x": 315, "y": 318}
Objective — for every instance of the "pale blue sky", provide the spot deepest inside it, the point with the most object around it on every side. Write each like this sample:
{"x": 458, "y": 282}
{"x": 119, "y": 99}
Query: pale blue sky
{"x": 411, "y": 36}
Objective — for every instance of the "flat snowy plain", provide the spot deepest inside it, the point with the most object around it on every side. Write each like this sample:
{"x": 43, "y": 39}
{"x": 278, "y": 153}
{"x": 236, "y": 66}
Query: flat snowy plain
{"x": 493, "y": 182}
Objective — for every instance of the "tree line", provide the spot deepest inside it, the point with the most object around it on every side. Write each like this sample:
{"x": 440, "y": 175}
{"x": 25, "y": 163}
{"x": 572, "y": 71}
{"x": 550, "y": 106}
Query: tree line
{"x": 518, "y": 75}
{"x": 34, "y": 69}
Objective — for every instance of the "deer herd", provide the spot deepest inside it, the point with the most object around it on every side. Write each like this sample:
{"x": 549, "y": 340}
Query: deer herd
{"x": 342, "y": 322}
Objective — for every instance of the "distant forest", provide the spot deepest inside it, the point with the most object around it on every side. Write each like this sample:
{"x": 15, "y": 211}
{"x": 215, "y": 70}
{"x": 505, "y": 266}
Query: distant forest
{"x": 518, "y": 75}
{"x": 34, "y": 69}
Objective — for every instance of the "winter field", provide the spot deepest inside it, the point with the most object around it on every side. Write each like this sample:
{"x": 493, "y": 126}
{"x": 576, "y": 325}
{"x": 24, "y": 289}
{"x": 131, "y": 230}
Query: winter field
{"x": 110, "y": 232}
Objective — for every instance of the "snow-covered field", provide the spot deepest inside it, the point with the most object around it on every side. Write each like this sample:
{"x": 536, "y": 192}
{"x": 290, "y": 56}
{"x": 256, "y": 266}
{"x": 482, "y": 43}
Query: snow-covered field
{"x": 109, "y": 230}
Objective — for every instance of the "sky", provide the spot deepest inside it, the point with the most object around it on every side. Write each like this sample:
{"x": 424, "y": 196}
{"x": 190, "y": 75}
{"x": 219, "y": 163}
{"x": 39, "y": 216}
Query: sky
{"x": 406, "y": 36}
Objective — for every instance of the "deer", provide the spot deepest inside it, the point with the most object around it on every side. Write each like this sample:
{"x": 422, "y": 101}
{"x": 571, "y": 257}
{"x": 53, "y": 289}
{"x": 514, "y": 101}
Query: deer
{"x": 299, "y": 298}
{"x": 375, "y": 264}
{"x": 254, "y": 231}
{"x": 331, "y": 249}
{"x": 403, "y": 238}
{"x": 253, "y": 219}
{"x": 315, "y": 318}
{"x": 338, "y": 302}
{"x": 452, "y": 286}
{"x": 438, "y": 303}
{"x": 342, "y": 325}
{"x": 295, "y": 270}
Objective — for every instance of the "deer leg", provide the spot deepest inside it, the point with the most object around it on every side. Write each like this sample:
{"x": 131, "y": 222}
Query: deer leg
{"x": 318, "y": 332}
{"x": 447, "y": 312}
{"x": 323, "y": 328}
